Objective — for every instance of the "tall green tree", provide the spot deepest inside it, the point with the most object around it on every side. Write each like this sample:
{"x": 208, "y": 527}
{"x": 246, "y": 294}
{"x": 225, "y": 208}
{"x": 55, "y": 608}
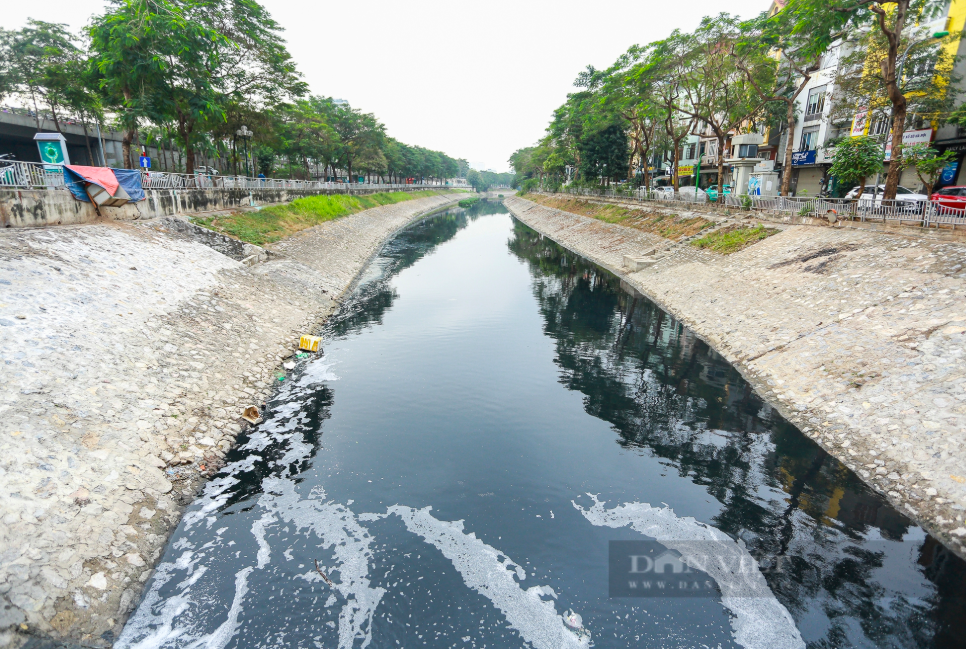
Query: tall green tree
{"x": 357, "y": 132}
{"x": 187, "y": 61}
{"x": 798, "y": 55}
{"x": 719, "y": 92}
{"x": 44, "y": 64}
{"x": 887, "y": 22}
{"x": 155, "y": 61}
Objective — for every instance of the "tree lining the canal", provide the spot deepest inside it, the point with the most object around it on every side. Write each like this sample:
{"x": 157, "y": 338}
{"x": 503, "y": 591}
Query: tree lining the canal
{"x": 732, "y": 77}
{"x": 186, "y": 76}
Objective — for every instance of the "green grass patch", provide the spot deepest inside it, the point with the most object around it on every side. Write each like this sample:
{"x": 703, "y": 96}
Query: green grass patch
{"x": 278, "y": 221}
{"x": 469, "y": 202}
{"x": 729, "y": 240}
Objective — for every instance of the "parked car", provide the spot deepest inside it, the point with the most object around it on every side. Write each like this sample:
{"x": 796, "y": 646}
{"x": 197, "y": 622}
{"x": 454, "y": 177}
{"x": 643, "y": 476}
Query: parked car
{"x": 906, "y": 200}
{"x": 693, "y": 194}
{"x": 664, "y": 192}
{"x": 713, "y": 192}
{"x": 210, "y": 171}
{"x": 869, "y": 192}
{"x": 951, "y": 198}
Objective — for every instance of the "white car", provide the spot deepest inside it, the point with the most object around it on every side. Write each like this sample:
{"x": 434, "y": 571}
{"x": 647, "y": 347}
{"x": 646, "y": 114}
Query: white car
{"x": 870, "y": 192}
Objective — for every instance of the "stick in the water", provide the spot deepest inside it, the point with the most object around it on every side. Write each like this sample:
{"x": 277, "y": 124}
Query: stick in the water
{"x": 319, "y": 570}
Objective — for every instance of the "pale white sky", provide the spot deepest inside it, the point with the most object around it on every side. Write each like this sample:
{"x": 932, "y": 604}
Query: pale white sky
{"x": 477, "y": 80}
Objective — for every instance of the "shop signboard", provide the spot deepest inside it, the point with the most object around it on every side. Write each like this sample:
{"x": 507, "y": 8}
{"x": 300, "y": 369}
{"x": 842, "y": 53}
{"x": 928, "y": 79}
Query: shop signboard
{"x": 948, "y": 176}
{"x": 859, "y": 122}
{"x": 800, "y": 158}
{"x": 686, "y": 170}
{"x": 909, "y": 138}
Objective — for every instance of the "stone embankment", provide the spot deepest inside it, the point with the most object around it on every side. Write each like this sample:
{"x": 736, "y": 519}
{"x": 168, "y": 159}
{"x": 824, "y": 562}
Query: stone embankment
{"x": 31, "y": 208}
{"x": 128, "y": 354}
{"x": 856, "y": 336}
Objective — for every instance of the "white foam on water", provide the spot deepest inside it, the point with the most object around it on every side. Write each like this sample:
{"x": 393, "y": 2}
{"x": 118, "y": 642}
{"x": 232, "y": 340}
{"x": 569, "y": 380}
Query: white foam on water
{"x": 182, "y": 619}
{"x": 317, "y": 371}
{"x": 339, "y": 529}
{"x": 218, "y": 638}
{"x": 258, "y": 531}
{"x": 491, "y": 573}
{"x": 148, "y": 630}
{"x": 759, "y": 620}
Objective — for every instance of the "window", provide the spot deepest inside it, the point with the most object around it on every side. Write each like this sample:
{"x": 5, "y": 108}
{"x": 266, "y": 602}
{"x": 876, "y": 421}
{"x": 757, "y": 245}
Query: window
{"x": 809, "y": 139}
{"x": 816, "y": 101}
{"x": 879, "y": 125}
{"x": 690, "y": 152}
{"x": 703, "y": 147}
{"x": 747, "y": 150}
{"x": 830, "y": 58}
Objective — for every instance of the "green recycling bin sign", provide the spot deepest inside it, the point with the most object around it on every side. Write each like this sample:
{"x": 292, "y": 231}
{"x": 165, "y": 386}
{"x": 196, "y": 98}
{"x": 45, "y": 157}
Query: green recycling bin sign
{"x": 51, "y": 152}
{"x": 52, "y": 148}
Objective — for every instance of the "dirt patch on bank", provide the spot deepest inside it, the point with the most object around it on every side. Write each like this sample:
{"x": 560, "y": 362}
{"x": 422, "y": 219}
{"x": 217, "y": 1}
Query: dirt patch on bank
{"x": 667, "y": 225}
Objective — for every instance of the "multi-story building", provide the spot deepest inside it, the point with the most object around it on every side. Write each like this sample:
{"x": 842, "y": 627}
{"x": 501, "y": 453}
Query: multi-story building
{"x": 817, "y": 125}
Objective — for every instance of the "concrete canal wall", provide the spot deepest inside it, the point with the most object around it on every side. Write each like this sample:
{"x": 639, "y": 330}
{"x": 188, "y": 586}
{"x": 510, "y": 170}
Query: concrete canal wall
{"x": 129, "y": 351}
{"x": 21, "y": 208}
{"x": 856, "y": 336}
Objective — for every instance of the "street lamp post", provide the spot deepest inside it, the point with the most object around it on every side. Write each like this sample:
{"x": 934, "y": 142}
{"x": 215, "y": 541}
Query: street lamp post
{"x": 245, "y": 134}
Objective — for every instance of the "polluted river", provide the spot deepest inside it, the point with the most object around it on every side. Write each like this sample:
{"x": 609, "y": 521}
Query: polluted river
{"x": 502, "y": 446}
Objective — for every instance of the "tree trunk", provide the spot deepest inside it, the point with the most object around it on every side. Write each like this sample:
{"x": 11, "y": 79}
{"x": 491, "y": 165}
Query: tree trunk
{"x": 888, "y": 65}
{"x": 87, "y": 141}
{"x": 789, "y": 146}
{"x": 630, "y": 162}
{"x": 185, "y": 132}
{"x": 674, "y": 175}
{"x": 53, "y": 112}
{"x": 895, "y": 161}
{"x": 126, "y": 140}
{"x": 721, "y": 142}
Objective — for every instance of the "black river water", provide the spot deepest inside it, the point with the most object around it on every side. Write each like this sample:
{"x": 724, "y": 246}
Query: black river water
{"x": 495, "y": 429}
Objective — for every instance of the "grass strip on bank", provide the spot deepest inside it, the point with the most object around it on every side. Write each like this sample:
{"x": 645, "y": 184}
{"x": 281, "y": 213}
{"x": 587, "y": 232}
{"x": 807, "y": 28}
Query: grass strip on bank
{"x": 733, "y": 239}
{"x": 279, "y": 221}
{"x": 469, "y": 201}
{"x": 669, "y": 226}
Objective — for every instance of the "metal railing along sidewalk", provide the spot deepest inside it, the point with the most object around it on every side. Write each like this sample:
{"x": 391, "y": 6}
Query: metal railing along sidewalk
{"x": 36, "y": 175}
{"x": 924, "y": 212}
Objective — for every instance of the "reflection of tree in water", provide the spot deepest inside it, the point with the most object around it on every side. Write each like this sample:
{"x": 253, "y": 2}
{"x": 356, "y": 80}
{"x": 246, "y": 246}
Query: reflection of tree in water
{"x": 371, "y": 300}
{"x": 668, "y": 394}
{"x": 364, "y": 308}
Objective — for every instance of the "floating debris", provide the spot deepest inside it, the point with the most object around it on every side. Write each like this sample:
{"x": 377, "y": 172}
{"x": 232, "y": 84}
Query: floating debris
{"x": 251, "y": 415}
{"x": 319, "y": 570}
{"x": 310, "y": 343}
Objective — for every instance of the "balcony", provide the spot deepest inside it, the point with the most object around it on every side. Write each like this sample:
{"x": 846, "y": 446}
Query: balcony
{"x": 813, "y": 117}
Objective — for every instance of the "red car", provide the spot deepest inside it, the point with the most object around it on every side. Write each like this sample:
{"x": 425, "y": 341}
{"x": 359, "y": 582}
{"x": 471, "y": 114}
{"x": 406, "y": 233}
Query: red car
{"x": 950, "y": 197}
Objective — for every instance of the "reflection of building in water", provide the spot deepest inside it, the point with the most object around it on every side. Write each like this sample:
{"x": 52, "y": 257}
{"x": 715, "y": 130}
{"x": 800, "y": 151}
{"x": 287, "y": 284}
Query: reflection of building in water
{"x": 858, "y": 510}
{"x": 714, "y": 375}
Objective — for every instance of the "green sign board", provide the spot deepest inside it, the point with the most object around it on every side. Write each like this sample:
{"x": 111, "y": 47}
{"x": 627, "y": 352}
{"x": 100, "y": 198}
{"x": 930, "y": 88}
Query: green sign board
{"x": 51, "y": 151}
